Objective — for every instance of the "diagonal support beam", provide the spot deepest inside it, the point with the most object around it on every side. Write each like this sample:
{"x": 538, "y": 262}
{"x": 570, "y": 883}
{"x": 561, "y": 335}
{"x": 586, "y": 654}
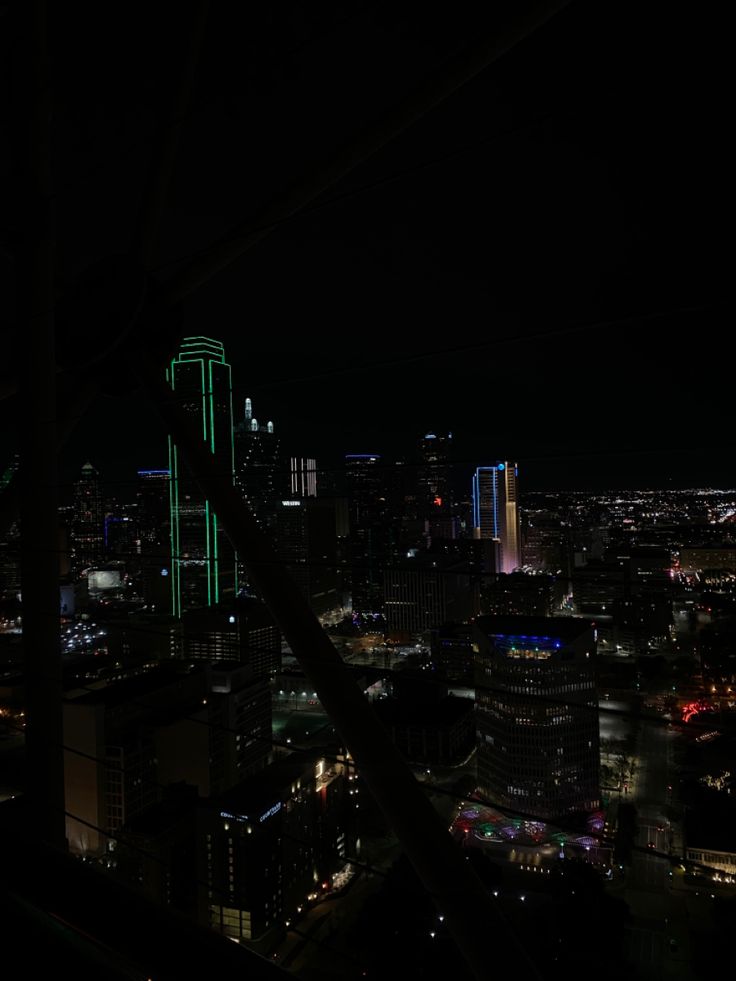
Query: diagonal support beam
{"x": 471, "y": 914}
{"x": 37, "y": 495}
{"x": 456, "y": 72}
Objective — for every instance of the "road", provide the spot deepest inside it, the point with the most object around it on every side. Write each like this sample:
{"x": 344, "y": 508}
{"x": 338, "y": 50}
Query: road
{"x": 657, "y": 937}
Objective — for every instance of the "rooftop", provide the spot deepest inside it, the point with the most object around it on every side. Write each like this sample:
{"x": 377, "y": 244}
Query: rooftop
{"x": 564, "y": 628}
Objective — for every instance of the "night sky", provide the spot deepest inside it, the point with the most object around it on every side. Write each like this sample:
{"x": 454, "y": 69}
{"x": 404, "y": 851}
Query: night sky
{"x": 532, "y": 265}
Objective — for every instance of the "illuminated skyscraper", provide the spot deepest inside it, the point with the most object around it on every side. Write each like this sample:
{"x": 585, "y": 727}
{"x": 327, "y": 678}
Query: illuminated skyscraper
{"x": 257, "y": 466}
{"x": 88, "y": 521}
{"x": 434, "y": 491}
{"x": 537, "y": 713}
{"x": 203, "y": 562}
{"x": 433, "y": 478}
{"x": 496, "y": 510}
{"x": 303, "y": 476}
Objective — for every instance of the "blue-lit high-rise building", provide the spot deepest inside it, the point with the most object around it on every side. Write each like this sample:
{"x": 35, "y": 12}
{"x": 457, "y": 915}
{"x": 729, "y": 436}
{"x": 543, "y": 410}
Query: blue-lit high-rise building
{"x": 537, "y": 713}
{"x": 203, "y": 562}
{"x": 496, "y": 510}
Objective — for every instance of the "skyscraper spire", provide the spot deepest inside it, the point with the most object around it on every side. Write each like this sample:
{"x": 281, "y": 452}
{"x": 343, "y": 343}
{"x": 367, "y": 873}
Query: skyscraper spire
{"x": 248, "y": 409}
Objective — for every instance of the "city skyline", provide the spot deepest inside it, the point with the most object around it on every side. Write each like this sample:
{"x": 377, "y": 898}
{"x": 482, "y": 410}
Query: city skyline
{"x": 294, "y": 294}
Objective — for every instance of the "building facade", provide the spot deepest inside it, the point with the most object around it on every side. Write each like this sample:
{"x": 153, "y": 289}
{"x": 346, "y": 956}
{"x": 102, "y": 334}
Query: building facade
{"x": 88, "y": 521}
{"x": 271, "y": 846}
{"x": 537, "y": 714}
{"x": 370, "y": 545}
{"x": 306, "y": 537}
{"x": 203, "y": 562}
{"x": 496, "y": 510}
{"x": 257, "y": 466}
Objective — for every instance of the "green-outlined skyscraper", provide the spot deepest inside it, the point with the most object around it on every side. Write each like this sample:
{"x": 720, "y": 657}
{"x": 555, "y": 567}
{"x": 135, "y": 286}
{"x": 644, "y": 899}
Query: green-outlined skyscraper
{"x": 203, "y": 562}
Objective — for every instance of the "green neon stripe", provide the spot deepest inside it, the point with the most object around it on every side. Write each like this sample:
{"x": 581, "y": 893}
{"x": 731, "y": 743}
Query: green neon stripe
{"x": 232, "y": 431}
{"x": 177, "y": 543}
{"x": 204, "y": 403}
{"x": 196, "y": 338}
{"x": 203, "y": 346}
{"x": 207, "y": 552}
{"x": 212, "y": 412}
{"x": 216, "y": 565}
{"x": 172, "y": 527}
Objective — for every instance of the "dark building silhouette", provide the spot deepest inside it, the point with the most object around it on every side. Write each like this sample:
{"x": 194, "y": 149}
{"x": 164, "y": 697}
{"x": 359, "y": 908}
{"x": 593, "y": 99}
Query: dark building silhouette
{"x": 452, "y": 651}
{"x": 209, "y": 727}
{"x": 154, "y": 511}
{"x": 371, "y": 544}
{"x": 154, "y": 567}
{"x": 218, "y": 743}
{"x": 427, "y": 724}
{"x": 427, "y": 590}
{"x": 10, "y": 541}
{"x": 88, "y": 521}
{"x": 306, "y": 536}
{"x": 518, "y": 594}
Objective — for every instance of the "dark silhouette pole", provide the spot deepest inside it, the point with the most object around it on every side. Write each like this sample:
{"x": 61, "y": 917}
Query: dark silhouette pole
{"x": 37, "y": 409}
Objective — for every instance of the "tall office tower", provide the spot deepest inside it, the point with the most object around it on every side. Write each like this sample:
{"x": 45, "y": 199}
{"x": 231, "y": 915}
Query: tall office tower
{"x": 306, "y": 536}
{"x": 425, "y": 592}
{"x": 9, "y": 540}
{"x": 152, "y": 498}
{"x": 88, "y": 521}
{"x": 434, "y": 488}
{"x": 433, "y": 476}
{"x": 303, "y": 471}
{"x": 496, "y": 510}
{"x": 537, "y": 714}
{"x": 203, "y": 562}
{"x": 257, "y": 466}
{"x": 121, "y": 532}
{"x": 370, "y": 540}
{"x": 153, "y": 520}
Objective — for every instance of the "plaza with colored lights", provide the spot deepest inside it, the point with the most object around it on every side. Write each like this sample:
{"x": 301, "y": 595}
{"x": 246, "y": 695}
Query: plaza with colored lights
{"x": 534, "y": 845}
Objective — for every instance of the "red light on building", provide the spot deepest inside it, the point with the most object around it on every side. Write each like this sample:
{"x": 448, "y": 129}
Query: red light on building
{"x": 695, "y": 708}
{"x": 438, "y": 502}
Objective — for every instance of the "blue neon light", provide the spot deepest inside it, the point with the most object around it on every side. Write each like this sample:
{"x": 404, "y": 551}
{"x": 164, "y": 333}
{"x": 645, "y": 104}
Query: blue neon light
{"x": 531, "y": 637}
{"x": 502, "y": 466}
{"x": 476, "y": 497}
{"x": 154, "y": 473}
